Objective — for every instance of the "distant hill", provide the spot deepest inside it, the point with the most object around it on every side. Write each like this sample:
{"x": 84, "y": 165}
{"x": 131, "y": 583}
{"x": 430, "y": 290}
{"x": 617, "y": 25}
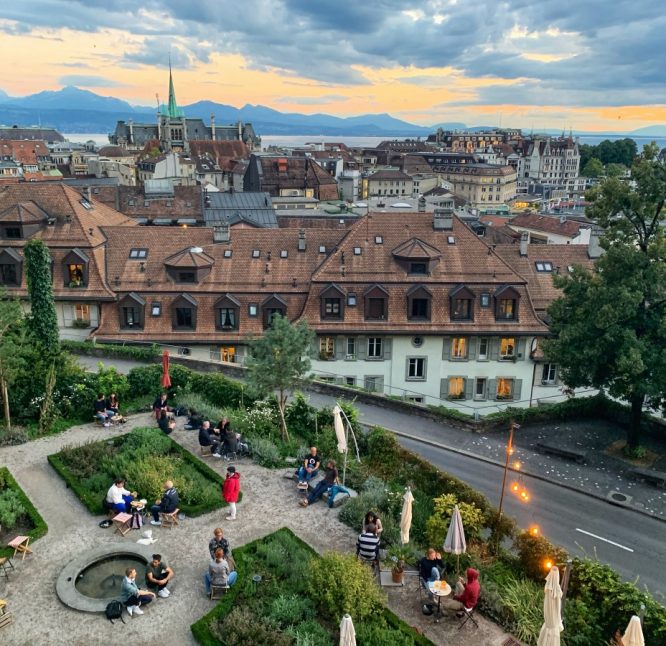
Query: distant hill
{"x": 650, "y": 131}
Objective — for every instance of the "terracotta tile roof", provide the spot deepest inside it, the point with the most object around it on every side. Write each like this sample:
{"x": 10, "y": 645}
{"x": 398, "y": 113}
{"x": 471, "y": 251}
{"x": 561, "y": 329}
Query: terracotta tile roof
{"x": 186, "y": 202}
{"x": 383, "y": 175}
{"x": 189, "y": 258}
{"x": 279, "y": 173}
{"x": 24, "y": 152}
{"x": 546, "y": 223}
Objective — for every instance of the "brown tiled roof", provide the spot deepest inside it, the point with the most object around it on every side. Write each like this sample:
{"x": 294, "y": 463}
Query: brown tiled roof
{"x": 546, "y": 223}
{"x": 466, "y": 260}
{"x": 24, "y": 152}
{"x": 189, "y": 258}
{"x": 540, "y": 283}
{"x": 219, "y": 149}
{"x": 382, "y": 175}
{"x": 24, "y": 213}
{"x": 112, "y": 151}
{"x": 185, "y": 202}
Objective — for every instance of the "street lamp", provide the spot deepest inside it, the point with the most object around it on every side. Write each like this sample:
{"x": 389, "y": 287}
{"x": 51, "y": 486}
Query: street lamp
{"x": 514, "y": 486}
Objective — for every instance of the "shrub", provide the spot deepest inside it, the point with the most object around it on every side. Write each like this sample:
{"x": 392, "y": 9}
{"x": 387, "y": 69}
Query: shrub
{"x": 368, "y": 634}
{"x": 140, "y": 353}
{"x": 12, "y": 436}
{"x": 437, "y": 525}
{"x": 197, "y": 402}
{"x": 109, "y": 380}
{"x": 289, "y": 609}
{"x": 220, "y": 390}
{"x": 265, "y": 452}
{"x": 242, "y": 626}
{"x": 11, "y": 508}
{"x": 523, "y": 600}
{"x": 310, "y": 633}
{"x": 340, "y": 584}
{"x": 534, "y": 552}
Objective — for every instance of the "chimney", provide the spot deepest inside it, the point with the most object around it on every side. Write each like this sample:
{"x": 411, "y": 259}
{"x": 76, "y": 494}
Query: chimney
{"x": 221, "y": 232}
{"x": 422, "y": 204}
{"x": 212, "y": 126}
{"x": 594, "y": 249}
{"x": 524, "y": 241}
{"x": 301, "y": 240}
{"x": 131, "y": 131}
{"x": 443, "y": 219}
{"x": 88, "y": 194}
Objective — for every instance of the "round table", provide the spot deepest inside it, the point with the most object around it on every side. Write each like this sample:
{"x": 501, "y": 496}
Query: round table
{"x": 439, "y": 589}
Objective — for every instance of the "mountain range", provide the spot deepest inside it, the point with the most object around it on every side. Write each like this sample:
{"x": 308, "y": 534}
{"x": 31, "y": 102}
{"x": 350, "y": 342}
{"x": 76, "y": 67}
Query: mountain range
{"x": 72, "y": 109}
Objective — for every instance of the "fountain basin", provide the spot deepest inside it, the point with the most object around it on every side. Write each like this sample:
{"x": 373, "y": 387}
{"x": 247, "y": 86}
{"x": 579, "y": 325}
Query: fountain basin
{"x": 92, "y": 579}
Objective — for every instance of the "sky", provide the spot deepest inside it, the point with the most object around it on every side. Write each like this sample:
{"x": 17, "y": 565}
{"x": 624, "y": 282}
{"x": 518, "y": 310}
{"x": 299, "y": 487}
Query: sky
{"x": 592, "y": 65}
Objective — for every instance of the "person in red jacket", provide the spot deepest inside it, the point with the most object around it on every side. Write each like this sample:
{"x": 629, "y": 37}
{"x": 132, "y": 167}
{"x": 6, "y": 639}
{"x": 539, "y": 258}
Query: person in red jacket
{"x": 470, "y": 594}
{"x": 230, "y": 491}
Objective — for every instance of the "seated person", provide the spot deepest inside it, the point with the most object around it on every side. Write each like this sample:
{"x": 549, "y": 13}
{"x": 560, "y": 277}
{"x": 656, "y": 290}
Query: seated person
{"x": 113, "y": 404}
{"x": 194, "y": 421}
{"x": 101, "y": 412}
{"x": 372, "y": 519}
{"x": 158, "y": 575}
{"x": 367, "y": 545}
{"x": 310, "y": 467}
{"x": 167, "y": 504}
{"x": 166, "y": 423}
{"x": 218, "y": 542}
{"x": 330, "y": 479}
{"x": 118, "y": 498}
{"x": 207, "y": 438}
{"x": 132, "y": 596}
{"x": 471, "y": 591}
{"x": 429, "y": 569}
{"x": 230, "y": 441}
{"x": 159, "y": 405}
{"x": 218, "y": 572}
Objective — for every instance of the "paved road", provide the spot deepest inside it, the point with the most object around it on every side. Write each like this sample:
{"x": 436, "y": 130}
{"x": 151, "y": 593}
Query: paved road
{"x": 630, "y": 542}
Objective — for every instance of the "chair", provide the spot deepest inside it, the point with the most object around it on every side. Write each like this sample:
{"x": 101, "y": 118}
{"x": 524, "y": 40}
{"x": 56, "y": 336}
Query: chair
{"x": 6, "y": 565}
{"x": 5, "y": 615}
{"x": 206, "y": 451}
{"x": 20, "y": 544}
{"x": 217, "y": 591}
{"x": 170, "y": 520}
{"x": 123, "y": 523}
{"x": 468, "y": 616}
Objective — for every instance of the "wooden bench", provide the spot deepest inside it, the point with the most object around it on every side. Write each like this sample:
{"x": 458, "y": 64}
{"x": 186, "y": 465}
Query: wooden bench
{"x": 20, "y": 544}
{"x": 170, "y": 520}
{"x": 657, "y": 478}
{"x": 5, "y": 615}
{"x": 123, "y": 523}
{"x": 568, "y": 454}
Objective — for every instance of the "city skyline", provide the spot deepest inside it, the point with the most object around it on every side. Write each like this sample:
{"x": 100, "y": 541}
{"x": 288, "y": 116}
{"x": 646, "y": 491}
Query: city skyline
{"x": 551, "y": 65}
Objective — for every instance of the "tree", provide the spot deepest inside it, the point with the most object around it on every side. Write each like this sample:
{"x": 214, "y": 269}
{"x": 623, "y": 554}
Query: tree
{"x": 280, "y": 361}
{"x": 610, "y": 324}
{"x": 615, "y": 170}
{"x": 593, "y": 168}
{"x": 11, "y": 334}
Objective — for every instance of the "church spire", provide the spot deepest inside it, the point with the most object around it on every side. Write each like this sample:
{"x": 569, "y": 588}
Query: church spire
{"x": 173, "y": 110}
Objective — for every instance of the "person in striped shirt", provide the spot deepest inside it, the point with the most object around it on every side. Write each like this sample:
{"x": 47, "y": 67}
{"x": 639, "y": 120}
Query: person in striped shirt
{"x": 367, "y": 545}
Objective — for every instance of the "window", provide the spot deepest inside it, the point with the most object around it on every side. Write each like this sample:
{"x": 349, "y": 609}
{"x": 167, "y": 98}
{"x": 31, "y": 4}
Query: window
{"x": 184, "y": 317}
{"x": 8, "y": 274}
{"x": 13, "y": 233}
{"x": 376, "y": 308}
{"x": 351, "y": 300}
{"x": 227, "y": 318}
{"x": 419, "y": 308}
{"x": 271, "y": 313}
{"x": 187, "y": 277}
{"x": 482, "y": 353}
{"x": 228, "y": 253}
{"x": 544, "y": 266}
{"x": 549, "y": 374}
{"x": 357, "y": 251}
{"x": 81, "y": 312}
{"x": 418, "y": 268}
{"x": 74, "y": 275}
{"x": 506, "y": 309}
{"x": 326, "y": 348}
{"x": 322, "y": 249}
{"x": 456, "y": 388}
{"x": 130, "y": 316}
{"x": 416, "y": 368}
{"x": 228, "y": 353}
{"x": 155, "y": 309}
{"x": 504, "y": 388}
{"x": 451, "y": 240}
{"x": 284, "y": 253}
{"x": 416, "y": 399}
{"x": 462, "y": 309}
{"x": 351, "y": 348}
{"x": 138, "y": 253}
{"x": 332, "y": 308}
{"x": 252, "y": 309}
{"x": 374, "y": 384}
{"x": 480, "y": 388}
{"x": 484, "y": 300}
{"x": 507, "y": 348}
{"x": 459, "y": 348}
{"x": 379, "y": 240}
{"x": 256, "y": 253}
{"x": 350, "y": 381}
{"x": 375, "y": 347}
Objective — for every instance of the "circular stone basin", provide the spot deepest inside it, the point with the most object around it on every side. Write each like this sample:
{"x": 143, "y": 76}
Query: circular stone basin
{"x": 94, "y": 578}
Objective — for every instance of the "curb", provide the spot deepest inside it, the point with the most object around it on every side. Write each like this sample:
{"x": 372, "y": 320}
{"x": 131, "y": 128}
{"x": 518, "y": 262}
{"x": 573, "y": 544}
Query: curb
{"x": 536, "y": 476}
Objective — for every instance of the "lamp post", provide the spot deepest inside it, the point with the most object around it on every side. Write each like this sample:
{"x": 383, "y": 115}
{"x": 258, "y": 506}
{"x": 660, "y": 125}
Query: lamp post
{"x": 509, "y": 453}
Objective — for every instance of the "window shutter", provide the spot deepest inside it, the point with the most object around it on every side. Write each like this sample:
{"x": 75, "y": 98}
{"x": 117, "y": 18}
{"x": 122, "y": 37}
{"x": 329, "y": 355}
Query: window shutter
{"x": 314, "y": 348}
{"x": 68, "y": 315}
{"x": 446, "y": 351}
{"x": 469, "y": 388}
{"x": 361, "y": 347}
{"x": 522, "y": 343}
{"x": 443, "y": 388}
{"x": 517, "y": 389}
{"x": 379, "y": 384}
{"x": 494, "y": 349}
{"x": 492, "y": 389}
{"x": 94, "y": 316}
{"x": 340, "y": 343}
{"x": 471, "y": 348}
{"x": 387, "y": 342}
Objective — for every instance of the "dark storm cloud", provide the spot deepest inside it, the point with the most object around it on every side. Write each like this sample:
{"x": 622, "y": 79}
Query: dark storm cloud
{"x": 599, "y": 51}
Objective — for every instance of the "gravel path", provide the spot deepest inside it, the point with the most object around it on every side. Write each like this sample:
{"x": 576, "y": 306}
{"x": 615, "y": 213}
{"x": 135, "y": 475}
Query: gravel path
{"x": 269, "y": 502}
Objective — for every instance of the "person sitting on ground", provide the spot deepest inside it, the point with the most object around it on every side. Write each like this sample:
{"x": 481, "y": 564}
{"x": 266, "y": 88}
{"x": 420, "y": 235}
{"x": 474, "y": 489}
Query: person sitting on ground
{"x": 166, "y": 423}
{"x": 429, "y": 569}
{"x": 471, "y": 591}
{"x": 194, "y": 421}
{"x": 372, "y": 519}
{"x": 118, "y": 498}
{"x": 158, "y": 575}
{"x": 367, "y": 545}
{"x": 113, "y": 404}
{"x": 101, "y": 412}
{"x": 330, "y": 479}
{"x": 309, "y": 469}
{"x": 229, "y": 440}
{"x": 167, "y": 504}
{"x": 218, "y": 572}
{"x": 159, "y": 405}
{"x": 206, "y": 437}
{"x": 132, "y": 596}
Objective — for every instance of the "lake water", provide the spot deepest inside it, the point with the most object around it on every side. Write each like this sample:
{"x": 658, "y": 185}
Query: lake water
{"x": 102, "y": 139}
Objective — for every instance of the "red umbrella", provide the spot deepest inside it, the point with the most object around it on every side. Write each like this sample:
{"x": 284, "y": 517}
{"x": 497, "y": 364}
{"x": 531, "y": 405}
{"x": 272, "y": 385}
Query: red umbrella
{"x": 166, "y": 380}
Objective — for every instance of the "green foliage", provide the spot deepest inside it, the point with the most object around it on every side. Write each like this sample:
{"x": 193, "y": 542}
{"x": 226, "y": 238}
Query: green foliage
{"x": 12, "y": 436}
{"x": 200, "y": 404}
{"x": 534, "y": 552}
{"x": 593, "y": 168}
{"x": 310, "y": 633}
{"x": 12, "y": 336}
{"x": 109, "y": 380}
{"x": 621, "y": 151}
{"x": 42, "y": 320}
{"x": 146, "y": 353}
{"x": 290, "y": 609}
{"x": 341, "y": 584}
{"x": 265, "y": 452}
{"x": 438, "y": 524}
{"x": 242, "y": 626}
{"x": 145, "y": 458}
{"x": 450, "y": 413}
{"x": 369, "y": 634}
{"x": 523, "y": 601}
{"x": 11, "y": 508}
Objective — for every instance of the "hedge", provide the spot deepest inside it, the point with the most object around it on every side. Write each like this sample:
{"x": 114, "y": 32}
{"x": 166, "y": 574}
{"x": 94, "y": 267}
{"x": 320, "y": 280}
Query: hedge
{"x": 201, "y": 628}
{"x": 39, "y": 525}
{"x": 94, "y": 505}
{"x": 139, "y": 353}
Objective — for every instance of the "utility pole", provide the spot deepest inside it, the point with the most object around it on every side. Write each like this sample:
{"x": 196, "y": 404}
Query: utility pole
{"x": 509, "y": 452}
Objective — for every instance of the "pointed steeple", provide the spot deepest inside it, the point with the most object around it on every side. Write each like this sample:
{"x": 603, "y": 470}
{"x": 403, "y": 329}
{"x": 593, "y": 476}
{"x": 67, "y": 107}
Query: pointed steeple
{"x": 173, "y": 110}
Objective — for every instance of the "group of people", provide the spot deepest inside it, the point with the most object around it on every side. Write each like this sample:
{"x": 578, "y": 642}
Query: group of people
{"x": 107, "y": 409}
{"x": 329, "y": 483}
{"x": 221, "y": 439}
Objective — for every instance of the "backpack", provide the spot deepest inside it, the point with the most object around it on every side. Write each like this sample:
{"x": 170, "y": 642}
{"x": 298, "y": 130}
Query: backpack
{"x": 137, "y": 520}
{"x": 114, "y": 610}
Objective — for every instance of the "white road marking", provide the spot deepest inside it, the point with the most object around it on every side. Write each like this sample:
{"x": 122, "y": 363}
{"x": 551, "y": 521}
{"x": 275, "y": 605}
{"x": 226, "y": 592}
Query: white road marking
{"x": 601, "y": 538}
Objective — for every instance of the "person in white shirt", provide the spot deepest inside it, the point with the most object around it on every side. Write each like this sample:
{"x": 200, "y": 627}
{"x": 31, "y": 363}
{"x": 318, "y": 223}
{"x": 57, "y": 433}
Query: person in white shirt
{"x": 118, "y": 498}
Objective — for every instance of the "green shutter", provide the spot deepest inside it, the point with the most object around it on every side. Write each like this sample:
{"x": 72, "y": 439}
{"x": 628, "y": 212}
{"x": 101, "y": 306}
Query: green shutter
{"x": 314, "y": 348}
{"x": 517, "y": 389}
{"x": 68, "y": 314}
{"x": 471, "y": 348}
{"x": 361, "y": 347}
{"x": 494, "y": 349}
{"x": 446, "y": 351}
{"x": 340, "y": 343}
{"x": 522, "y": 344}
{"x": 387, "y": 343}
{"x": 469, "y": 388}
{"x": 492, "y": 389}
{"x": 443, "y": 387}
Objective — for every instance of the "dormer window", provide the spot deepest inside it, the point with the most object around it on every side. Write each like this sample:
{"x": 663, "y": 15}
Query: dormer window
{"x": 332, "y": 303}
{"x": 376, "y": 303}
{"x": 507, "y": 300}
{"x": 256, "y": 253}
{"x": 75, "y": 269}
{"x": 462, "y": 304}
{"x": 184, "y": 313}
{"x": 418, "y": 268}
{"x": 227, "y": 312}
{"x": 272, "y": 307}
{"x": 10, "y": 268}
{"x": 189, "y": 266}
{"x": 12, "y": 233}
{"x": 131, "y": 312}
{"x": 416, "y": 256}
{"x": 419, "y": 301}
